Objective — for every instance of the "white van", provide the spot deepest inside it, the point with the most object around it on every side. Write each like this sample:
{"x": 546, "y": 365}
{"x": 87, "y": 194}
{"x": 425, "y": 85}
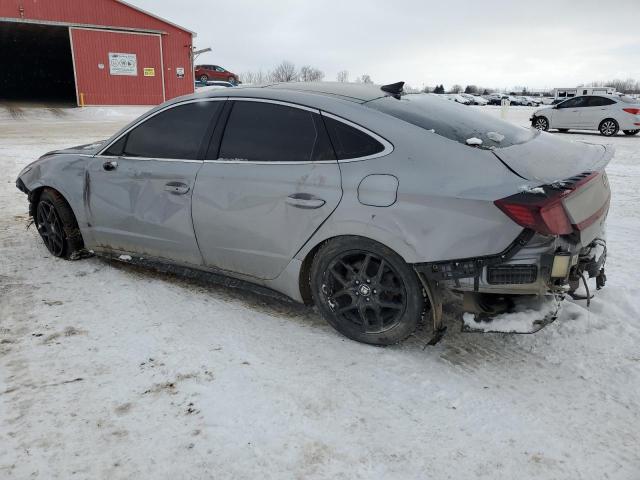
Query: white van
{"x": 562, "y": 93}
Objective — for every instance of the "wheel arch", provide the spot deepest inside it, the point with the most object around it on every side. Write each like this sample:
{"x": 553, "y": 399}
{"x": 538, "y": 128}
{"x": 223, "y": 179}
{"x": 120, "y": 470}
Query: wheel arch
{"x": 312, "y": 250}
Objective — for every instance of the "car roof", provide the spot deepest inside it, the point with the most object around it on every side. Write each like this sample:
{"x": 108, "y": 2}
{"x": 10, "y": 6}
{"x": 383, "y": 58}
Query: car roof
{"x": 355, "y": 92}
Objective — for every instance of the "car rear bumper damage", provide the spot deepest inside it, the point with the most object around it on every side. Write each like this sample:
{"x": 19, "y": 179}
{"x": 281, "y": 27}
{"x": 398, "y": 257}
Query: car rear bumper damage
{"x": 520, "y": 289}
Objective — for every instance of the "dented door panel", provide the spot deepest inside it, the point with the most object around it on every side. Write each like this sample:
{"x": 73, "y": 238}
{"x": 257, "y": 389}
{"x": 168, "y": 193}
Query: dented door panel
{"x": 143, "y": 206}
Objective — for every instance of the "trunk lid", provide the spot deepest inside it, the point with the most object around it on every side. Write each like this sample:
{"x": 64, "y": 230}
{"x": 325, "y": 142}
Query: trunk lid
{"x": 572, "y": 186}
{"x": 547, "y": 159}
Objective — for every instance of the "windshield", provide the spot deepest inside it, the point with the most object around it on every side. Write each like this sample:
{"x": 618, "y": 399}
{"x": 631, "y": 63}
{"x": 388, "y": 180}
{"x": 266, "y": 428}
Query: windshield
{"x": 454, "y": 121}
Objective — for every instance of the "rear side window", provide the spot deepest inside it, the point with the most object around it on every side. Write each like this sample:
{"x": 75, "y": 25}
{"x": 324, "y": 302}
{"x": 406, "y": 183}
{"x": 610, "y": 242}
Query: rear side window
{"x": 175, "y": 133}
{"x": 349, "y": 142}
{"x": 575, "y": 102}
{"x": 268, "y": 132}
{"x": 600, "y": 101}
{"x": 452, "y": 120}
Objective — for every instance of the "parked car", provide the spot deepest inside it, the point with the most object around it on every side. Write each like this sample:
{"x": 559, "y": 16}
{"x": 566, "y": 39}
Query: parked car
{"x": 205, "y": 73}
{"x": 607, "y": 114}
{"x": 496, "y": 98}
{"x": 213, "y": 84}
{"x": 474, "y": 99}
{"x": 354, "y": 197}
{"x": 456, "y": 97}
{"x": 525, "y": 101}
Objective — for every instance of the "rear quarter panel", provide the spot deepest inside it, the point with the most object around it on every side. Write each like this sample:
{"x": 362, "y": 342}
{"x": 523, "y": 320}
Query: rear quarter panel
{"x": 444, "y": 207}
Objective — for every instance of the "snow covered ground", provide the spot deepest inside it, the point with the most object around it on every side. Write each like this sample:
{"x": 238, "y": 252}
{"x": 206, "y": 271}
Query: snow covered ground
{"x": 111, "y": 371}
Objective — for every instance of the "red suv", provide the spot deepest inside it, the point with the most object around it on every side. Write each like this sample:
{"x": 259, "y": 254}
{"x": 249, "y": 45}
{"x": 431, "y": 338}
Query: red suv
{"x": 204, "y": 73}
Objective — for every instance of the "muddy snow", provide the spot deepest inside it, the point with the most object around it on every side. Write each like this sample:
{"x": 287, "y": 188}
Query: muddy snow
{"x": 113, "y": 371}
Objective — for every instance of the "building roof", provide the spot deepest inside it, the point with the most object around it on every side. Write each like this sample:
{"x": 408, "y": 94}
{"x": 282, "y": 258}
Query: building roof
{"x": 194, "y": 34}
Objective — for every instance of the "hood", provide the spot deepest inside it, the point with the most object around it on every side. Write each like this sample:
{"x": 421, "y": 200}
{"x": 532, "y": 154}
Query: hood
{"x": 87, "y": 149}
{"x": 548, "y": 159}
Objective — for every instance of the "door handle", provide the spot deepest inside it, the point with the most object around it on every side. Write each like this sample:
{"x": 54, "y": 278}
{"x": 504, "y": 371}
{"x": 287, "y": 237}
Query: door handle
{"x": 304, "y": 200}
{"x": 177, "y": 188}
{"x": 110, "y": 165}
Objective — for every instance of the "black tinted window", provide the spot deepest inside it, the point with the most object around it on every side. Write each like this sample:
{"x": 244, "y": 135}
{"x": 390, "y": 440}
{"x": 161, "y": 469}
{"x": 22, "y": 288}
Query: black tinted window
{"x": 266, "y": 132}
{"x": 117, "y": 148}
{"x": 350, "y": 142}
{"x": 174, "y": 133}
{"x": 600, "y": 101}
{"x": 575, "y": 102}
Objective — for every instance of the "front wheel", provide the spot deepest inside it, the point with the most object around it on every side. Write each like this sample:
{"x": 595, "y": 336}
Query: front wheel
{"x": 630, "y": 132}
{"x": 57, "y": 225}
{"x": 608, "y": 127}
{"x": 366, "y": 291}
{"x": 204, "y": 78}
{"x": 232, "y": 80}
{"x": 541, "y": 123}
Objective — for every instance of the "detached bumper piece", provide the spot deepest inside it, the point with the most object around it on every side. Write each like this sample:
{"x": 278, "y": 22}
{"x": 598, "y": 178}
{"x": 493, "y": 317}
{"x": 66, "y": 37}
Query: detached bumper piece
{"x": 527, "y": 315}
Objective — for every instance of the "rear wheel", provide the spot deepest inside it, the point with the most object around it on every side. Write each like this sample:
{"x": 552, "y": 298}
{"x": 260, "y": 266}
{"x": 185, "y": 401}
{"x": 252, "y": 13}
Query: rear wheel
{"x": 232, "y": 80}
{"x": 204, "y": 78}
{"x": 630, "y": 132}
{"x": 57, "y": 225}
{"x": 608, "y": 127}
{"x": 541, "y": 123}
{"x": 366, "y": 291}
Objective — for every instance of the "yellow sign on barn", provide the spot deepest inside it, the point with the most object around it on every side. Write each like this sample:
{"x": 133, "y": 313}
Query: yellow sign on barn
{"x": 149, "y": 72}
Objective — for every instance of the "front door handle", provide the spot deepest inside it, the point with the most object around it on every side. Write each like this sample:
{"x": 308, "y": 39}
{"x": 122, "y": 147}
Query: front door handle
{"x": 304, "y": 200}
{"x": 110, "y": 165}
{"x": 177, "y": 188}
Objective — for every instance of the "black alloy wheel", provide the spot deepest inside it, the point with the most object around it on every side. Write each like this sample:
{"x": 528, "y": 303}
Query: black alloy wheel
{"x": 50, "y": 228}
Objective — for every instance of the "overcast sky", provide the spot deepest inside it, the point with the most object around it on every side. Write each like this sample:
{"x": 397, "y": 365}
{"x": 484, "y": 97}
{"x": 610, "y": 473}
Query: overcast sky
{"x": 492, "y": 43}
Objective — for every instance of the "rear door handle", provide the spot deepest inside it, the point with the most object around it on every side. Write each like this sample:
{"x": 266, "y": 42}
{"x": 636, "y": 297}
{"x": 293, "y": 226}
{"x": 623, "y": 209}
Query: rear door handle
{"x": 305, "y": 201}
{"x": 177, "y": 188}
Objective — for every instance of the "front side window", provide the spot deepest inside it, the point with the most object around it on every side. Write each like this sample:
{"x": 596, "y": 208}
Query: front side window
{"x": 220, "y": 69}
{"x": 575, "y": 102}
{"x": 174, "y": 133}
{"x": 268, "y": 132}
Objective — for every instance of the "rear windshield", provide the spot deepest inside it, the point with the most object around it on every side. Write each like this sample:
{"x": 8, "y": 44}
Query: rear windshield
{"x": 454, "y": 121}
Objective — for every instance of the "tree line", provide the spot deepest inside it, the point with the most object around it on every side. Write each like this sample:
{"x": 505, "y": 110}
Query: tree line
{"x": 288, "y": 72}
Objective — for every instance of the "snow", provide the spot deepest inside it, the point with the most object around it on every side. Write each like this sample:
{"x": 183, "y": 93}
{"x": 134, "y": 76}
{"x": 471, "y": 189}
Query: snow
{"x": 108, "y": 370}
{"x": 495, "y": 136}
{"x": 125, "y": 258}
{"x": 474, "y": 141}
{"x": 522, "y": 320}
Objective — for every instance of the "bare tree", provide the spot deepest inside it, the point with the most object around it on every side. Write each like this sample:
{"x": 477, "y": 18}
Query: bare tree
{"x": 285, "y": 72}
{"x": 343, "y": 76}
{"x": 364, "y": 79}
{"x": 456, "y": 89}
{"x": 255, "y": 78}
{"x": 310, "y": 74}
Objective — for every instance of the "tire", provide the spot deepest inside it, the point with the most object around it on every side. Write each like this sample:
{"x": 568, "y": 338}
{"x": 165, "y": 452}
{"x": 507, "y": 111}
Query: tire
{"x": 366, "y": 291}
{"x": 630, "y": 132}
{"x": 232, "y": 80}
{"x": 57, "y": 225}
{"x": 204, "y": 78}
{"x": 608, "y": 127}
{"x": 563, "y": 130}
{"x": 541, "y": 123}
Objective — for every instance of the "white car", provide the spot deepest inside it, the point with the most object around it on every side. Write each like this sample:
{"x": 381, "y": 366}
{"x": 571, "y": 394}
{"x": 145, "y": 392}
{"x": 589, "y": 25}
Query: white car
{"x": 474, "y": 99}
{"x": 606, "y": 113}
{"x": 459, "y": 98}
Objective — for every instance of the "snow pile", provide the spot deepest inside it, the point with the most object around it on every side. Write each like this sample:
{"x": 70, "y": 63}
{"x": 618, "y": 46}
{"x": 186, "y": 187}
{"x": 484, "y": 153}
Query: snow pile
{"x": 474, "y": 141}
{"x": 524, "y": 319}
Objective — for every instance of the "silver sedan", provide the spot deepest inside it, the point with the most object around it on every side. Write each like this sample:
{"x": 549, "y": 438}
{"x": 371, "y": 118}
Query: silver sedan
{"x": 366, "y": 201}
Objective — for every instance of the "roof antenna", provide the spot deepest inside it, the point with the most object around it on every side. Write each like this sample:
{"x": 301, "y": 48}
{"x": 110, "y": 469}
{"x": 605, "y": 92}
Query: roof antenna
{"x": 394, "y": 89}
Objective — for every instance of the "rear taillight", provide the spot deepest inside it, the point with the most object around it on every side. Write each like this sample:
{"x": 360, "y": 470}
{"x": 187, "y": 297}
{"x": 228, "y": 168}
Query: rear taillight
{"x": 543, "y": 215}
{"x": 545, "y": 212}
{"x": 632, "y": 111}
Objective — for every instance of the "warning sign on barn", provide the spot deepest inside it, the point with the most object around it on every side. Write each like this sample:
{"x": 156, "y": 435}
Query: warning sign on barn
{"x": 123, "y": 64}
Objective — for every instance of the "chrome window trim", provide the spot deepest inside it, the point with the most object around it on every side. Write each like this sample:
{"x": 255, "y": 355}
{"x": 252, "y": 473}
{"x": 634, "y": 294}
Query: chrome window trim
{"x": 388, "y": 146}
{"x": 173, "y": 105}
{"x": 276, "y": 102}
{"x": 152, "y": 159}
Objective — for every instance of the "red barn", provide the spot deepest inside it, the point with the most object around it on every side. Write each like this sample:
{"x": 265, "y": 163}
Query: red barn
{"x": 97, "y": 52}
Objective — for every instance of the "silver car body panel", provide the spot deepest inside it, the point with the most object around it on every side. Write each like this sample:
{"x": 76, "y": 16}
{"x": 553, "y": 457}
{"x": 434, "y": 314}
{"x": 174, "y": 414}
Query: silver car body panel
{"x": 237, "y": 216}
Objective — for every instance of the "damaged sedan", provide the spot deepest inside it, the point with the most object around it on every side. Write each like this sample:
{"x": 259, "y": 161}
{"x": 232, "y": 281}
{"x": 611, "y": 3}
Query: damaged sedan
{"x": 370, "y": 203}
